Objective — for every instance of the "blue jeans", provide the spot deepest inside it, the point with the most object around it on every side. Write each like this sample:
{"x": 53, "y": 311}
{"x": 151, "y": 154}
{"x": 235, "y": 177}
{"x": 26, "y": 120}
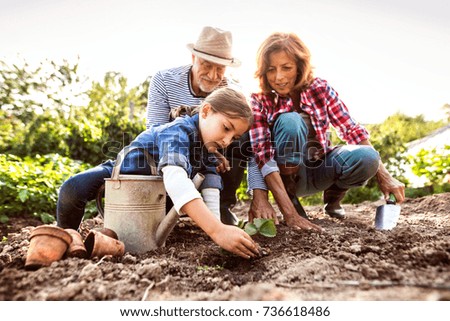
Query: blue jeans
{"x": 345, "y": 166}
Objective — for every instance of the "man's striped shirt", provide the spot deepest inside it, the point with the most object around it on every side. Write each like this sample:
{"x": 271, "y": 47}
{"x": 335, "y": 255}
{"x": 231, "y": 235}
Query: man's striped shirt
{"x": 169, "y": 89}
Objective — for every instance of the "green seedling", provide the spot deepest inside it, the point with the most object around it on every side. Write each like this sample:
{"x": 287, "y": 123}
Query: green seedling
{"x": 263, "y": 226}
{"x": 209, "y": 268}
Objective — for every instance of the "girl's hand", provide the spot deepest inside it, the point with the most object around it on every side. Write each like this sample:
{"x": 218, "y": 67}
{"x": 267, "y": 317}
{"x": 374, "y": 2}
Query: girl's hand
{"x": 235, "y": 240}
{"x": 224, "y": 163}
{"x": 228, "y": 237}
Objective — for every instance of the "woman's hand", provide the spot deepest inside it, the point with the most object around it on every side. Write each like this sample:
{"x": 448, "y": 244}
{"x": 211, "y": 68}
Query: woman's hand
{"x": 235, "y": 240}
{"x": 297, "y": 222}
{"x": 260, "y": 207}
{"x": 389, "y": 184}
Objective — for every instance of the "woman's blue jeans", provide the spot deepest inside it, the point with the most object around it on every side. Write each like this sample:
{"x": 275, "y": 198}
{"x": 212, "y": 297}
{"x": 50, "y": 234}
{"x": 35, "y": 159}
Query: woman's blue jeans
{"x": 345, "y": 166}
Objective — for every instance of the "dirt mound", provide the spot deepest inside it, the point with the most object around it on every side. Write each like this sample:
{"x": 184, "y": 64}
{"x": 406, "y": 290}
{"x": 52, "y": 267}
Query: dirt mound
{"x": 350, "y": 260}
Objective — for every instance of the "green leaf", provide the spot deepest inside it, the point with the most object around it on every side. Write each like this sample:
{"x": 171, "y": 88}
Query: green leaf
{"x": 250, "y": 229}
{"x": 3, "y": 218}
{"x": 23, "y": 195}
{"x": 259, "y": 222}
{"x": 268, "y": 229}
{"x": 47, "y": 218}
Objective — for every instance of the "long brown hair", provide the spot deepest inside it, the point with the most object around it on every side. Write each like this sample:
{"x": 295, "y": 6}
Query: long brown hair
{"x": 227, "y": 101}
{"x": 295, "y": 48}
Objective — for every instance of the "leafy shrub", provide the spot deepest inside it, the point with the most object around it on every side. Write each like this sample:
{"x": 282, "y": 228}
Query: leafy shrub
{"x": 433, "y": 164}
{"x": 427, "y": 190}
{"x": 241, "y": 192}
{"x": 49, "y": 109}
{"x": 30, "y": 185}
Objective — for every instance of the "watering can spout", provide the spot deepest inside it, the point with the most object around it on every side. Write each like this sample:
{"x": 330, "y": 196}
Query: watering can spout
{"x": 170, "y": 220}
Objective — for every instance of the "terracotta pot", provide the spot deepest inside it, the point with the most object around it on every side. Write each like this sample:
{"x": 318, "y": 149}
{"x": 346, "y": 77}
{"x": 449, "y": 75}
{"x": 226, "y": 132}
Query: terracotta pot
{"x": 48, "y": 244}
{"x": 76, "y": 248}
{"x": 98, "y": 244}
{"x": 107, "y": 231}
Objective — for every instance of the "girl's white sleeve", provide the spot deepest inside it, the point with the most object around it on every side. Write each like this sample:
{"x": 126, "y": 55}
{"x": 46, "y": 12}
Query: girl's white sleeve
{"x": 178, "y": 185}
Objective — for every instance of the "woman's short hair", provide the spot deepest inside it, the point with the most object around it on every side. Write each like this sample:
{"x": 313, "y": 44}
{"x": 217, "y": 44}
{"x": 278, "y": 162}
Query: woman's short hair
{"x": 295, "y": 48}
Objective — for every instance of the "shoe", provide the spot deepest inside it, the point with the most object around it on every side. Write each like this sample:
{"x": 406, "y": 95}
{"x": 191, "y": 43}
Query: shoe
{"x": 290, "y": 184}
{"x": 228, "y": 217}
{"x": 338, "y": 213}
{"x": 332, "y": 197}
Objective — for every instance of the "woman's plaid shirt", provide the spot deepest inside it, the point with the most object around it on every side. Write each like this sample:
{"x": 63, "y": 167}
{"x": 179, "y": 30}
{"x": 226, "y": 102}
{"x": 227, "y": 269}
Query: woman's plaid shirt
{"x": 320, "y": 101}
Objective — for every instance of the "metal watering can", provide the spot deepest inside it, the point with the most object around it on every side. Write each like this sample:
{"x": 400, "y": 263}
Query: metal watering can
{"x": 135, "y": 207}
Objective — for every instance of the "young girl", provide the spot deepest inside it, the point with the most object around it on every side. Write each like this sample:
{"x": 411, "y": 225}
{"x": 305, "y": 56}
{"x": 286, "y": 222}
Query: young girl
{"x": 181, "y": 149}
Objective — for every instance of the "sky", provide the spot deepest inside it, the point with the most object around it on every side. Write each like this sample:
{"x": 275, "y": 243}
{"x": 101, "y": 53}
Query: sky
{"x": 382, "y": 56}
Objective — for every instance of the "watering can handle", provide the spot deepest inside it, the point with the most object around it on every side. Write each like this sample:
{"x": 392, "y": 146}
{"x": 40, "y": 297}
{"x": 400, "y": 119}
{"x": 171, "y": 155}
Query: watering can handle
{"x": 123, "y": 153}
{"x": 116, "y": 172}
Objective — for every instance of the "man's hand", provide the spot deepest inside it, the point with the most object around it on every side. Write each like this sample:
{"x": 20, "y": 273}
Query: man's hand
{"x": 260, "y": 207}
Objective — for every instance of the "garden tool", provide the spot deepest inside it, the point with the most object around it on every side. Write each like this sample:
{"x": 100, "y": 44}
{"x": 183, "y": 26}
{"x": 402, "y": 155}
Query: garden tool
{"x": 387, "y": 215}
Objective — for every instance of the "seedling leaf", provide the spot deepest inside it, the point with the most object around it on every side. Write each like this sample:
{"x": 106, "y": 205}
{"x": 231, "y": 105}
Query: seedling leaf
{"x": 268, "y": 229}
{"x": 250, "y": 229}
{"x": 259, "y": 222}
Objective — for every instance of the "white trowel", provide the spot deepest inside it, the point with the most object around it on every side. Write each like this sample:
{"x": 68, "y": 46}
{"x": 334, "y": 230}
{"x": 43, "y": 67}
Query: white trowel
{"x": 387, "y": 215}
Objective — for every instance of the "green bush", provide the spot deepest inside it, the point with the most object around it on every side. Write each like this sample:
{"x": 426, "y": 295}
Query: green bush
{"x": 427, "y": 190}
{"x": 433, "y": 164}
{"x": 49, "y": 109}
{"x": 30, "y": 185}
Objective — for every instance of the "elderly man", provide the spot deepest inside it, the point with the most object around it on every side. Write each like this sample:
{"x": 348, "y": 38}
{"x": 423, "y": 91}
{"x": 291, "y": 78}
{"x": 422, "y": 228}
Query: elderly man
{"x": 189, "y": 85}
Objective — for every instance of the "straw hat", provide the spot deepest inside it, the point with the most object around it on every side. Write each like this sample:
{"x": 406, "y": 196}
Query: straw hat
{"x": 214, "y": 45}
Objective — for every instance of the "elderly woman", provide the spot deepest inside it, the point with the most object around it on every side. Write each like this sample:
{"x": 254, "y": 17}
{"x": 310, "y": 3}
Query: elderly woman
{"x": 293, "y": 157}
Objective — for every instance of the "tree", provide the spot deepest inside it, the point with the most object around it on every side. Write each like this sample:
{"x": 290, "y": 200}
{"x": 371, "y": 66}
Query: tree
{"x": 51, "y": 109}
{"x": 27, "y": 90}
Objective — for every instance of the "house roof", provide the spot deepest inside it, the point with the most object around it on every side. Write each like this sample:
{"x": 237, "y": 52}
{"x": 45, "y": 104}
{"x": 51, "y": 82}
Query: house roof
{"x": 438, "y": 138}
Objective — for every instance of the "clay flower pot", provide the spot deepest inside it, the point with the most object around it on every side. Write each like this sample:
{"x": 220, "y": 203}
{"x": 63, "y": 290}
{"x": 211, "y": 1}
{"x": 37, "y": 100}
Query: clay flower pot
{"x": 107, "y": 232}
{"x": 48, "y": 244}
{"x": 98, "y": 244}
{"x": 76, "y": 248}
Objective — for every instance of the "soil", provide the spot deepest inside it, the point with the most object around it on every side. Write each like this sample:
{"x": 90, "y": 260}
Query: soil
{"x": 350, "y": 260}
